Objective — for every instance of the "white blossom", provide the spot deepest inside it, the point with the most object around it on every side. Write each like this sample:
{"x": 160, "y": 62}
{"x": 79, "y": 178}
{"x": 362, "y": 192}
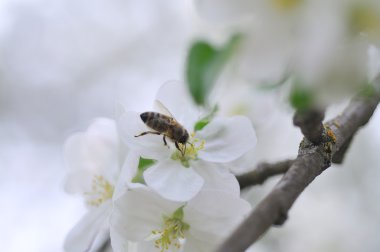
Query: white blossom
{"x": 321, "y": 44}
{"x": 157, "y": 224}
{"x": 93, "y": 161}
{"x": 179, "y": 175}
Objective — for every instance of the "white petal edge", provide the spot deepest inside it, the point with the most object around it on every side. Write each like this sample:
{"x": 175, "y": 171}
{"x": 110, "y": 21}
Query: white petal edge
{"x": 173, "y": 181}
{"x": 222, "y": 211}
{"x": 89, "y": 153}
{"x": 227, "y": 139}
{"x": 82, "y": 236}
{"x": 128, "y": 172}
{"x": 217, "y": 178}
{"x": 119, "y": 244}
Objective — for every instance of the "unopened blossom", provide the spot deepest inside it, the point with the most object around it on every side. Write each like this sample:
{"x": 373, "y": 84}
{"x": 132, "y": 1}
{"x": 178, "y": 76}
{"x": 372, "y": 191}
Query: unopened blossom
{"x": 320, "y": 45}
{"x": 93, "y": 162}
{"x": 157, "y": 224}
{"x": 180, "y": 174}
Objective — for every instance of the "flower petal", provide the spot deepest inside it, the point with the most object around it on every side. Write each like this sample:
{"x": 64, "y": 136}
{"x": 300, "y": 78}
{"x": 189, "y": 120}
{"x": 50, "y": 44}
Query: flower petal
{"x": 120, "y": 244}
{"x": 173, "y": 181}
{"x": 226, "y": 139}
{"x": 217, "y": 178}
{"x": 137, "y": 213}
{"x": 93, "y": 152}
{"x": 209, "y": 243}
{"x": 127, "y": 173}
{"x": 82, "y": 236}
{"x": 150, "y": 145}
{"x": 227, "y": 11}
{"x": 78, "y": 182}
{"x": 144, "y": 246}
{"x": 220, "y": 210}
{"x": 176, "y": 98}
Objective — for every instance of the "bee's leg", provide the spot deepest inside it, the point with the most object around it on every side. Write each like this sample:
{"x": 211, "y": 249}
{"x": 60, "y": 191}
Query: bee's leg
{"x": 166, "y": 144}
{"x": 148, "y": 132}
{"x": 177, "y": 146}
{"x": 192, "y": 145}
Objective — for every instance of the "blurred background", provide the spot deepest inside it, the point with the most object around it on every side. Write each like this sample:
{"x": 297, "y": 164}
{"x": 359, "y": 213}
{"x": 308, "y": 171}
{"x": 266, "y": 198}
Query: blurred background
{"x": 65, "y": 62}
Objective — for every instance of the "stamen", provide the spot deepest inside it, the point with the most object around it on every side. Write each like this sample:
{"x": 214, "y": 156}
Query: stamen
{"x": 172, "y": 233}
{"x": 101, "y": 191}
{"x": 190, "y": 151}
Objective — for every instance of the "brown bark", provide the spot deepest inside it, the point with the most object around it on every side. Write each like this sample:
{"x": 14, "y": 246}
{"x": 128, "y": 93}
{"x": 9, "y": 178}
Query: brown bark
{"x": 312, "y": 160}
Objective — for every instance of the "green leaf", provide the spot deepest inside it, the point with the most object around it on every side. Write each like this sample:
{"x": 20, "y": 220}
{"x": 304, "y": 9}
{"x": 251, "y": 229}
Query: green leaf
{"x": 199, "y": 125}
{"x": 144, "y": 164}
{"x": 203, "y": 66}
{"x": 301, "y": 97}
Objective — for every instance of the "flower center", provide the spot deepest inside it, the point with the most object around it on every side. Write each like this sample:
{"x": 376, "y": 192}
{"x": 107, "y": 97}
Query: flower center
{"x": 101, "y": 191}
{"x": 172, "y": 232}
{"x": 189, "y": 150}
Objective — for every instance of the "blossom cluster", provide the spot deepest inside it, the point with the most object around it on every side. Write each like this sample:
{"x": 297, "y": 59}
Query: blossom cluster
{"x": 147, "y": 190}
{"x": 324, "y": 46}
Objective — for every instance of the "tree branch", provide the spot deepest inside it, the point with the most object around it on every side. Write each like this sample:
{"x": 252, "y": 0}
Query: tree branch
{"x": 310, "y": 123}
{"x": 311, "y": 161}
{"x": 341, "y": 153}
{"x": 262, "y": 172}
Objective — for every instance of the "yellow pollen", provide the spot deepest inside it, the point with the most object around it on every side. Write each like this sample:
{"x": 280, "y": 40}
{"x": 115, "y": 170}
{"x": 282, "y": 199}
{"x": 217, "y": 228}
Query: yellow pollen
{"x": 189, "y": 150}
{"x": 173, "y": 231}
{"x": 101, "y": 191}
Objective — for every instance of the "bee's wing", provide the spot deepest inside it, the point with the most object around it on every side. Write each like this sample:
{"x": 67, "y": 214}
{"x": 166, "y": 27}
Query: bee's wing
{"x": 162, "y": 109}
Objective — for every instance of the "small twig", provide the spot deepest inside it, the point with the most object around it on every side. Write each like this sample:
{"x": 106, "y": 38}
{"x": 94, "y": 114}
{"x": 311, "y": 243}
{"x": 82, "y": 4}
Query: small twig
{"x": 311, "y": 161}
{"x": 262, "y": 172}
{"x": 310, "y": 123}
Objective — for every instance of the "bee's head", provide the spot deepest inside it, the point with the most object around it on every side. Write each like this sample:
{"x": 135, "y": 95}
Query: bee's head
{"x": 183, "y": 139}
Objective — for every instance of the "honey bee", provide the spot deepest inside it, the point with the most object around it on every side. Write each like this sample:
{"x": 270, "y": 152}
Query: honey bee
{"x": 166, "y": 126}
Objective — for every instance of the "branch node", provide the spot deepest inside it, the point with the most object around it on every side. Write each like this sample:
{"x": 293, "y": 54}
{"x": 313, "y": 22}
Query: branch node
{"x": 281, "y": 218}
{"x": 310, "y": 123}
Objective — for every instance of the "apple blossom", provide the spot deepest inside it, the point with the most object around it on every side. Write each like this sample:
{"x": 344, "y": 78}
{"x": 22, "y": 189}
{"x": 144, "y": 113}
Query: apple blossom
{"x": 180, "y": 175}
{"x": 93, "y": 161}
{"x": 157, "y": 224}
{"x": 322, "y": 45}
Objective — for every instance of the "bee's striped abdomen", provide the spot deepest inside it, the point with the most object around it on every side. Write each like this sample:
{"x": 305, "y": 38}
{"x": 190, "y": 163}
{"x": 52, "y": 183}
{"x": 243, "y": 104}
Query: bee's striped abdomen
{"x": 156, "y": 121}
{"x": 165, "y": 125}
